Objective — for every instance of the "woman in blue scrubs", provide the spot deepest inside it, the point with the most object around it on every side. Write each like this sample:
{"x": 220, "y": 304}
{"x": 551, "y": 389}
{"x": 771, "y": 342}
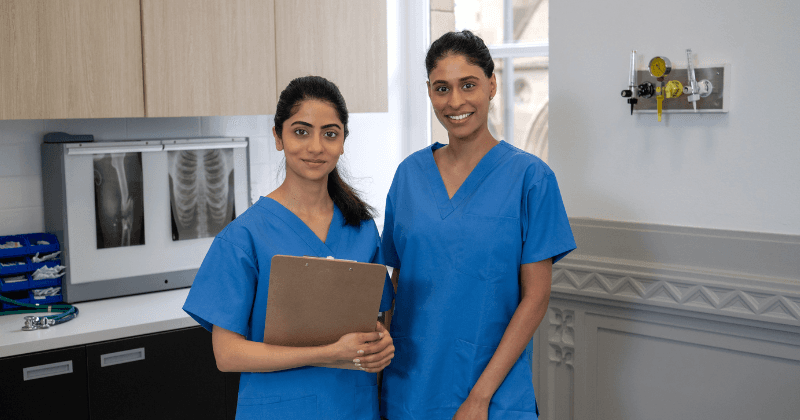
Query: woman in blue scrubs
{"x": 472, "y": 229}
{"x": 313, "y": 213}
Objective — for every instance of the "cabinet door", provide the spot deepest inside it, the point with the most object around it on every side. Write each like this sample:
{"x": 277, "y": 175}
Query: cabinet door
{"x": 44, "y": 385}
{"x": 342, "y": 41}
{"x": 209, "y": 57}
{"x": 70, "y": 59}
{"x": 160, "y": 376}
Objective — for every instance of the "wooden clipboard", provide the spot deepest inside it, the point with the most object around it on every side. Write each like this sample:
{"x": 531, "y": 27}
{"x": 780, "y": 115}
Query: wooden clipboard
{"x": 315, "y": 301}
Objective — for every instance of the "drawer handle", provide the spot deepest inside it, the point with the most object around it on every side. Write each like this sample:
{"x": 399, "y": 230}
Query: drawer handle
{"x": 44, "y": 371}
{"x": 121, "y": 357}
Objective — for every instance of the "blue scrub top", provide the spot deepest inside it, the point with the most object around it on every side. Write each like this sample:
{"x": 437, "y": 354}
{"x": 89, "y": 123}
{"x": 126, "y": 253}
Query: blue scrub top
{"x": 459, "y": 262}
{"x": 230, "y": 290}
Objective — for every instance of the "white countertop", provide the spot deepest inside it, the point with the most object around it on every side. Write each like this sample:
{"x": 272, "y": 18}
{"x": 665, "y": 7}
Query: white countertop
{"x": 97, "y": 321}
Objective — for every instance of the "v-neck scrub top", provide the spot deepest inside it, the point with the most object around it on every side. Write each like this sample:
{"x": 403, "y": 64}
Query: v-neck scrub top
{"x": 459, "y": 262}
{"x": 230, "y": 290}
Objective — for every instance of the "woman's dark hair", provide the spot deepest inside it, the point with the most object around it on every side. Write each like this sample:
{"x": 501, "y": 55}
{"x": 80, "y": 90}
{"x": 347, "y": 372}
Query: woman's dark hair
{"x": 353, "y": 208}
{"x": 463, "y": 43}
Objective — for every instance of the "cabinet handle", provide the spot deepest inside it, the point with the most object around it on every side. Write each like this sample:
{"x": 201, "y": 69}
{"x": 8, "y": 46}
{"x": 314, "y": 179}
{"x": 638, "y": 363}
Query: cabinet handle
{"x": 43, "y": 371}
{"x": 121, "y": 357}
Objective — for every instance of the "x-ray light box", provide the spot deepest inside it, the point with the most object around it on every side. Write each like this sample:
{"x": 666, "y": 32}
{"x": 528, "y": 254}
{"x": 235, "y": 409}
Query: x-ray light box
{"x": 139, "y": 216}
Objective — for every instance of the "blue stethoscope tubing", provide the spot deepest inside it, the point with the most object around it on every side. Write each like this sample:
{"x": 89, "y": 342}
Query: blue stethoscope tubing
{"x": 68, "y": 312}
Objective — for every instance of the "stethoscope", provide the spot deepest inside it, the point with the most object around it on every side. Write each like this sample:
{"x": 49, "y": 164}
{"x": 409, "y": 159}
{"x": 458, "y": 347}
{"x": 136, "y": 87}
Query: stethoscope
{"x": 68, "y": 312}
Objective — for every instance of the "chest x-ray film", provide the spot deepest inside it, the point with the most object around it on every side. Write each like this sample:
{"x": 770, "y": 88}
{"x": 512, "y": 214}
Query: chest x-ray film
{"x": 118, "y": 199}
{"x": 201, "y": 192}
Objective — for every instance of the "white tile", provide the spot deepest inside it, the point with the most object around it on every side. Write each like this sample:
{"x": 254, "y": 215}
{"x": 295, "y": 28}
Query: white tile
{"x": 21, "y": 131}
{"x": 20, "y": 191}
{"x": 163, "y": 128}
{"x": 236, "y": 126}
{"x": 11, "y": 160}
{"x": 102, "y": 129}
{"x": 22, "y": 220}
{"x": 30, "y": 158}
{"x": 260, "y": 149}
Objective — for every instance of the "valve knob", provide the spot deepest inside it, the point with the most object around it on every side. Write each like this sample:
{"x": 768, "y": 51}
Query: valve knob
{"x": 627, "y": 93}
{"x": 646, "y": 90}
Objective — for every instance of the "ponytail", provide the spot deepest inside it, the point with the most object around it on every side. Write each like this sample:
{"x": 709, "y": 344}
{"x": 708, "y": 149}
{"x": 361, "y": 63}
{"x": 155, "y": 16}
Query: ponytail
{"x": 353, "y": 208}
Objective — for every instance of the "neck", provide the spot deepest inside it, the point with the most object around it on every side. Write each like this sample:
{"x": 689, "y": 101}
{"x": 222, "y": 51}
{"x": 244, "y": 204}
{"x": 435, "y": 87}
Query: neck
{"x": 303, "y": 196}
{"x": 471, "y": 147}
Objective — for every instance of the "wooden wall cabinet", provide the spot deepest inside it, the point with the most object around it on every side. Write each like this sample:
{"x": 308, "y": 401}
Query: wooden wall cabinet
{"x": 345, "y": 42}
{"x": 209, "y": 57}
{"x": 70, "y": 59}
{"x": 177, "y": 58}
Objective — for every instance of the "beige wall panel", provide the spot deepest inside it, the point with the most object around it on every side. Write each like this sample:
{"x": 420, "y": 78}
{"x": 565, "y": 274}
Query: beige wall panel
{"x": 71, "y": 59}
{"x": 344, "y": 42}
{"x": 207, "y": 57}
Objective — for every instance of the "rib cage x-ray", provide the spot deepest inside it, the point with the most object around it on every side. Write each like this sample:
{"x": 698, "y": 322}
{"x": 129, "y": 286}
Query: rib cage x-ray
{"x": 118, "y": 199}
{"x": 201, "y": 192}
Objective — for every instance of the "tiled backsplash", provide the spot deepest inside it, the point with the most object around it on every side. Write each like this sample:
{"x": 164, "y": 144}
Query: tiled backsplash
{"x": 21, "y": 208}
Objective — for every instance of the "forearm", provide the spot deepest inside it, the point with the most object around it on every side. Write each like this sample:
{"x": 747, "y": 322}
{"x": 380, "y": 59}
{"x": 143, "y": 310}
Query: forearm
{"x": 234, "y": 353}
{"x": 518, "y": 334}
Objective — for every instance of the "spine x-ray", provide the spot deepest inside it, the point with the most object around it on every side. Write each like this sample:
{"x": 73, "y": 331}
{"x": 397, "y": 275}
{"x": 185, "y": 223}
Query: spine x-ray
{"x": 201, "y": 192}
{"x": 119, "y": 199}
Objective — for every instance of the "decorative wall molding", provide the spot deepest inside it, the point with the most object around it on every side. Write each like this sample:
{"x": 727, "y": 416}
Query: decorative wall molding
{"x": 700, "y": 270}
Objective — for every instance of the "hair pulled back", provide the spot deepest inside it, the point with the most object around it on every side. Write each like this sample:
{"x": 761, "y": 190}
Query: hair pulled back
{"x": 463, "y": 43}
{"x": 301, "y": 89}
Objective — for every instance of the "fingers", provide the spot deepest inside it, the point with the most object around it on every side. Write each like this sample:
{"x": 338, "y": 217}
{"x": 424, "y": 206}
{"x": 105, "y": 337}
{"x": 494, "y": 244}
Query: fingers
{"x": 381, "y": 328}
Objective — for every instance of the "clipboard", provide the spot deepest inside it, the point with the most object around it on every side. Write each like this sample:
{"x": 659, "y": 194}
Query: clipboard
{"x": 315, "y": 301}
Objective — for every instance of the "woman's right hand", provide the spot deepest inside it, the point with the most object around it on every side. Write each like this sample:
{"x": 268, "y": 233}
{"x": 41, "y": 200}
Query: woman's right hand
{"x": 370, "y": 352}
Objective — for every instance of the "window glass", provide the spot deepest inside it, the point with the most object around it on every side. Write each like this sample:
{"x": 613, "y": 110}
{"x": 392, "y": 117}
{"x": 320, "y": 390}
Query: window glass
{"x": 531, "y": 73}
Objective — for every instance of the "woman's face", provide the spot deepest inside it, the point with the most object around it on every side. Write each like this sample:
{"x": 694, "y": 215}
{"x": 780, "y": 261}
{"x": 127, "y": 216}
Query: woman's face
{"x": 460, "y": 95}
{"x": 312, "y": 140}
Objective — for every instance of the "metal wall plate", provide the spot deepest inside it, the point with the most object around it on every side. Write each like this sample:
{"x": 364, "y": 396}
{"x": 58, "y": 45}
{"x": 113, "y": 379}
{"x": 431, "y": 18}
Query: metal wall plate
{"x": 717, "y": 102}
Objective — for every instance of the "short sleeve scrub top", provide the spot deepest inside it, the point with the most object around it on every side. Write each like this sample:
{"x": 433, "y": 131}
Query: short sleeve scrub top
{"x": 459, "y": 262}
{"x": 230, "y": 290}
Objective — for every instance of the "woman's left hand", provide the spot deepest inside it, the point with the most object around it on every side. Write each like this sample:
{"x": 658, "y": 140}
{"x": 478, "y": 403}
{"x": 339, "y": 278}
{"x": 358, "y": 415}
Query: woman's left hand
{"x": 377, "y": 354}
{"x": 472, "y": 409}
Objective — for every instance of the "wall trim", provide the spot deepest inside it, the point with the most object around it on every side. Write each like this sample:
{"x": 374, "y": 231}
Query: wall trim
{"x": 744, "y": 275}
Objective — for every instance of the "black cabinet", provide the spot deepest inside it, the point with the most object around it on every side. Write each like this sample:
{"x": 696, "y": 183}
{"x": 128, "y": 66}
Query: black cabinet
{"x": 44, "y": 385}
{"x": 169, "y": 375}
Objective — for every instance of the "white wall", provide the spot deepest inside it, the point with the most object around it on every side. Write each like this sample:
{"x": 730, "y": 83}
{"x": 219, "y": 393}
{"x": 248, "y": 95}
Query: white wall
{"x": 372, "y": 151}
{"x": 738, "y": 171}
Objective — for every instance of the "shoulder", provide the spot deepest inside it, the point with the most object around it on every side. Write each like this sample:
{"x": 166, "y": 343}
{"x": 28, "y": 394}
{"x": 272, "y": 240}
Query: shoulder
{"x": 415, "y": 160}
{"x": 533, "y": 167}
{"x": 241, "y": 231}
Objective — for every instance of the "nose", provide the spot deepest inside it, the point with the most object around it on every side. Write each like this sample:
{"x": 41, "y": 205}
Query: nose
{"x": 315, "y": 144}
{"x": 456, "y": 99}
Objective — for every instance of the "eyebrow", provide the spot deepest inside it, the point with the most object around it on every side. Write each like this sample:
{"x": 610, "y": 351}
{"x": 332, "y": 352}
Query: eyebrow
{"x": 303, "y": 123}
{"x": 463, "y": 79}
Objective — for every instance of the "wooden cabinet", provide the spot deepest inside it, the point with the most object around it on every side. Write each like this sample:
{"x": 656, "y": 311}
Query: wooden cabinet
{"x": 177, "y": 58}
{"x": 344, "y": 42}
{"x": 209, "y": 57}
{"x": 167, "y": 375}
{"x": 70, "y": 59}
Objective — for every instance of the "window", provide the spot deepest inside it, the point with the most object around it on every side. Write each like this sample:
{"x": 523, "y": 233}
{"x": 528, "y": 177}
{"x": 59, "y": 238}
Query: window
{"x": 516, "y": 32}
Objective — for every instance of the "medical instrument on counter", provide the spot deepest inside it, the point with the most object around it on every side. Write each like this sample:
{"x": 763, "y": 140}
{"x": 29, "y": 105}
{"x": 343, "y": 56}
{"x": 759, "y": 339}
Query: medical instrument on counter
{"x": 68, "y": 313}
{"x": 695, "y": 89}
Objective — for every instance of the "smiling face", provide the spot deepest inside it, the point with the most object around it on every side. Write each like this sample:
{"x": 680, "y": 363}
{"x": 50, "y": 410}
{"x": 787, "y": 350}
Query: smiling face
{"x": 312, "y": 141}
{"x": 460, "y": 93}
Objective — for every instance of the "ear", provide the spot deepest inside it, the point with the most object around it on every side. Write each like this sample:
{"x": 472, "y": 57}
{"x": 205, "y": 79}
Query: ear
{"x": 278, "y": 140}
{"x": 492, "y": 86}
